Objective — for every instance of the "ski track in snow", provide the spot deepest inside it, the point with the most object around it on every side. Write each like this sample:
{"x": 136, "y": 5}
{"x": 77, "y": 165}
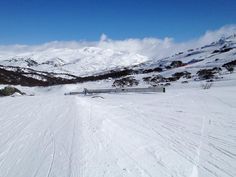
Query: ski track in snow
{"x": 176, "y": 134}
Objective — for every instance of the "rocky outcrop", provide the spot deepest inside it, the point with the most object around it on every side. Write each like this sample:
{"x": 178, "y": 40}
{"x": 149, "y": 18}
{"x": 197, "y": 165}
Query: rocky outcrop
{"x": 7, "y": 91}
{"x": 126, "y": 82}
{"x": 205, "y": 74}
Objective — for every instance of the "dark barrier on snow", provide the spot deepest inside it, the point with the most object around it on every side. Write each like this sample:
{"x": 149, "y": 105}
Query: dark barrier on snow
{"x": 118, "y": 90}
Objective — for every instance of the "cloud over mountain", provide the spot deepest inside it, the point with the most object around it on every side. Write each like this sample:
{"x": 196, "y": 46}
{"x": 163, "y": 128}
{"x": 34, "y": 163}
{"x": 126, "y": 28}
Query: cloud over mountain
{"x": 149, "y": 47}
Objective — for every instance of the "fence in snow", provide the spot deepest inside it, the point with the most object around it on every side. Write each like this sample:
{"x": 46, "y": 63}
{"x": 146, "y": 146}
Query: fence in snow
{"x": 118, "y": 90}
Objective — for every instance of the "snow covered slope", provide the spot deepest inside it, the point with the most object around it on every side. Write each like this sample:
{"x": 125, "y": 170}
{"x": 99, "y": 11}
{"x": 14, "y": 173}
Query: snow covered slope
{"x": 186, "y": 132}
{"x": 93, "y": 63}
{"x": 81, "y": 61}
{"x": 182, "y": 133}
{"x": 89, "y": 60}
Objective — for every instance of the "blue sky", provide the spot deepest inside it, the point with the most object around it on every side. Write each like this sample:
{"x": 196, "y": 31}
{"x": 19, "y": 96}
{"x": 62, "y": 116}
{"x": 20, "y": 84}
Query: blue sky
{"x": 40, "y": 21}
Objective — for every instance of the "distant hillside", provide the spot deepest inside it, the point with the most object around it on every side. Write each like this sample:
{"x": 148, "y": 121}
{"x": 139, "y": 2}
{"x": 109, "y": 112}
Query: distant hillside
{"x": 209, "y": 62}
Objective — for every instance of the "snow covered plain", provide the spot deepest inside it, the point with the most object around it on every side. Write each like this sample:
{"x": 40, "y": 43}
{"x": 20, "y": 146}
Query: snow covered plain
{"x": 185, "y": 132}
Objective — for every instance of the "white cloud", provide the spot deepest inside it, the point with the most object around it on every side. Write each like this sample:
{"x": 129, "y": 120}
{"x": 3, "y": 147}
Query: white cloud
{"x": 150, "y": 47}
{"x": 103, "y": 37}
{"x": 211, "y": 36}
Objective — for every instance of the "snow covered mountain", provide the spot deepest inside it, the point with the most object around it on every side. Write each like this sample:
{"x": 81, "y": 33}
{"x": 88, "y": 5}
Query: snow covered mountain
{"x": 84, "y": 61}
{"x": 93, "y": 63}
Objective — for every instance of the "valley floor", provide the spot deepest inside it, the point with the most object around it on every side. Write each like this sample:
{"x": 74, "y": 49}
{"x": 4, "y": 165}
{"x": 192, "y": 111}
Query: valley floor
{"x": 183, "y": 132}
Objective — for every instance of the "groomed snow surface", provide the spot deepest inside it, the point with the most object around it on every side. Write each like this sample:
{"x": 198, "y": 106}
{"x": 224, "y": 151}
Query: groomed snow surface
{"x": 184, "y": 132}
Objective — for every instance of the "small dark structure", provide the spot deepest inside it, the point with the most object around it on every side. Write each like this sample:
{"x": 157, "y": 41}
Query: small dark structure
{"x": 119, "y": 90}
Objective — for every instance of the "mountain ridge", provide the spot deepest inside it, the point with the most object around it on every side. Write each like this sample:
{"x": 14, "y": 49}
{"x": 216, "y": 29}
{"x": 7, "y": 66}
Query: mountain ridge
{"x": 95, "y": 66}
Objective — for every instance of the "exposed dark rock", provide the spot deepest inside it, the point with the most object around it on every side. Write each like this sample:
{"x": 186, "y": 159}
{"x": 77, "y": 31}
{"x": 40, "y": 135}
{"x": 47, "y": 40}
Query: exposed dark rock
{"x": 171, "y": 79}
{"x": 125, "y": 82}
{"x": 216, "y": 69}
{"x": 222, "y": 50}
{"x": 7, "y": 91}
{"x": 193, "y": 53}
{"x": 230, "y": 66}
{"x": 164, "y": 84}
{"x": 28, "y": 61}
{"x": 56, "y": 62}
{"x": 184, "y": 74}
{"x": 176, "y": 64}
{"x": 230, "y": 69}
{"x": 30, "y": 78}
{"x": 31, "y": 62}
{"x": 156, "y": 79}
{"x": 168, "y": 67}
{"x": 110, "y": 74}
{"x": 211, "y": 80}
{"x": 194, "y": 61}
{"x": 167, "y": 84}
{"x": 205, "y": 74}
{"x": 157, "y": 69}
{"x": 147, "y": 79}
